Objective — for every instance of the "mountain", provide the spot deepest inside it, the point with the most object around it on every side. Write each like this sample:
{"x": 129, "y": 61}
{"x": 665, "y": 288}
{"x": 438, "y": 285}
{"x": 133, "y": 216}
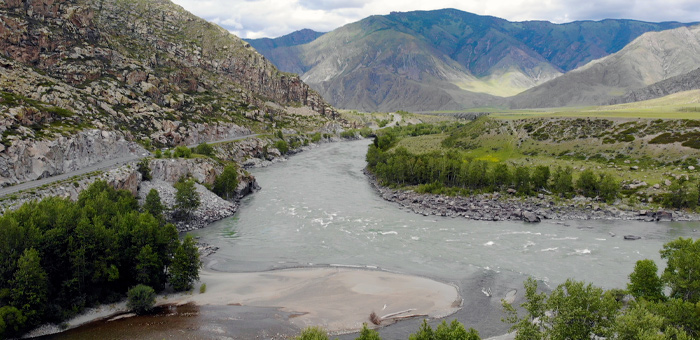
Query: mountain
{"x": 83, "y": 81}
{"x": 684, "y": 82}
{"x": 651, "y": 58}
{"x": 444, "y": 59}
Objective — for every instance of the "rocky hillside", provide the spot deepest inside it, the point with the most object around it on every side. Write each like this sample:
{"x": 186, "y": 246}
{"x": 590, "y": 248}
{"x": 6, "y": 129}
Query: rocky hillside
{"x": 83, "y": 80}
{"x": 649, "y": 59}
{"x": 444, "y": 59}
{"x": 683, "y": 82}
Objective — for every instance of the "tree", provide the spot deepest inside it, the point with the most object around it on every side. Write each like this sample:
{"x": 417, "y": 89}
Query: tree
{"x": 225, "y": 184}
{"x": 186, "y": 197}
{"x": 540, "y": 177}
{"x": 425, "y": 332}
{"x": 11, "y": 322}
{"x": 144, "y": 169}
{"x": 184, "y": 270}
{"x": 639, "y": 323}
{"x": 645, "y": 283}
{"x": 587, "y": 183}
{"x": 501, "y": 176}
{"x": 141, "y": 299}
{"x": 30, "y": 287}
{"x": 574, "y": 311}
{"x": 522, "y": 180}
{"x": 563, "y": 182}
{"x": 368, "y": 334}
{"x": 149, "y": 268}
{"x": 682, "y": 273}
{"x": 608, "y": 188}
{"x": 455, "y": 331}
{"x": 312, "y": 333}
{"x": 153, "y": 205}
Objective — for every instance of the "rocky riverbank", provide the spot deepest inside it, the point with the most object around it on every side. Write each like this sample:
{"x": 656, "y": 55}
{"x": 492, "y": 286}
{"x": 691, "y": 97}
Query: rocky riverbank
{"x": 502, "y": 207}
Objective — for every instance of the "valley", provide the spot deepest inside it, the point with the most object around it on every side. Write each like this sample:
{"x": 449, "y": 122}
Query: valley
{"x": 162, "y": 177}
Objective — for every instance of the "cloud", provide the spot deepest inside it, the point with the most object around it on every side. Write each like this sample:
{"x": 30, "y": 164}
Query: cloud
{"x": 273, "y": 18}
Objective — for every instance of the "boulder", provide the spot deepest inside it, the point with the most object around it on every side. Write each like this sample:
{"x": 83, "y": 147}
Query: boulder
{"x": 530, "y": 217}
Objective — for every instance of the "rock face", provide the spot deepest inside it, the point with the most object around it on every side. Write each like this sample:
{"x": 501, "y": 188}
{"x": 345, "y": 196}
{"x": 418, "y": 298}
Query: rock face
{"x": 138, "y": 70}
{"x": 26, "y": 160}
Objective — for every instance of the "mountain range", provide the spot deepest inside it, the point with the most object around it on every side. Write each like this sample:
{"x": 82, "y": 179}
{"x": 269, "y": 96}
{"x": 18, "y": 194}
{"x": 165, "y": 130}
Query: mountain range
{"x": 448, "y": 59}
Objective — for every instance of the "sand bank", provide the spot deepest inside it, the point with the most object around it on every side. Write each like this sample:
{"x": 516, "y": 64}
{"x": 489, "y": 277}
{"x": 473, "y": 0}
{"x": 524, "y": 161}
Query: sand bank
{"x": 337, "y": 299}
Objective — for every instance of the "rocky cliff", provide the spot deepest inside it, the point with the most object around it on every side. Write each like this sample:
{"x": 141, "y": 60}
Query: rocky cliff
{"x": 147, "y": 71}
{"x": 683, "y": 82}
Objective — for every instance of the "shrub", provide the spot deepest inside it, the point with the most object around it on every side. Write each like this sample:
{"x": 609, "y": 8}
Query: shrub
{"x": 204, "y": 149}
{"x": 182, "y": 152}
{"x": 203, "y": 288}
{"x": 368, "y": 334}
{"x": 312, "y": 333}
{"x": 144, "y": 169}
{"x": 141, "y": 299}
{"x": 282, "y": 146}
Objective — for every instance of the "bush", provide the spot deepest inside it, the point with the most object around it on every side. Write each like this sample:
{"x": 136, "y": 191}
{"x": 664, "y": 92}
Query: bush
{"x": 282, "y": 146}
{"x": 312, "y": 333}
{"x": 141, "y": 299}
{"x": 144, "y": 169}
{"x": 368, "y": 334}
{"x": 204, "y": 149}
{"x": 184, "y": 270}
{"x": 225, "y": 184}
{"x": 158, "y": 154}
{"x": 203, "y": 288}
{"x": 182, "y": 152}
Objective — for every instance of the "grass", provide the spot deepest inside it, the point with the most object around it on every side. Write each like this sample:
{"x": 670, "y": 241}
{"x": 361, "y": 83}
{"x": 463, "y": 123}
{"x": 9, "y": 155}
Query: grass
{"x": 682, "y": 105}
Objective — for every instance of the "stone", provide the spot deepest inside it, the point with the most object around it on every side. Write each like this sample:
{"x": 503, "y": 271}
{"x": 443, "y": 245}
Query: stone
{"x": 530, "y": 217}
{"x": 691, "y": 168}
{"x": 634, "y": 167}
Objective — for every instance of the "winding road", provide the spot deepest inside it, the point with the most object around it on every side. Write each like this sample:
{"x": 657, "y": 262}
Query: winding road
{"x": 104, "y": 165}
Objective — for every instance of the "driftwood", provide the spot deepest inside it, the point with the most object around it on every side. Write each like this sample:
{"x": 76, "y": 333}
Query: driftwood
{"x": 397, "y": 313}
{"x": 374, "y": 318}
{"x": 407, "y": 316}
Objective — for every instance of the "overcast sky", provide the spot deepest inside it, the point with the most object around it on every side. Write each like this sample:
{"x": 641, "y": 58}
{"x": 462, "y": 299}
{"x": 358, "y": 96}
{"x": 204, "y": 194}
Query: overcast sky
{"x": 274, "y": 18}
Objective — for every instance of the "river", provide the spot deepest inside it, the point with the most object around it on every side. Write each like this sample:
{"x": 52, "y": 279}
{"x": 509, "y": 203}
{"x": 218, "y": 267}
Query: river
{"x": 318, "y": 209}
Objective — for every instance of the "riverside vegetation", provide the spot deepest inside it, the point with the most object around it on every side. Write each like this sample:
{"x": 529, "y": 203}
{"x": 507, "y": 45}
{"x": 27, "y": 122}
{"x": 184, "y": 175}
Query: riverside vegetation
{"x": 597, "y": 158}
{"x": 58, "y": 257}
{"x": 579, "y": 310}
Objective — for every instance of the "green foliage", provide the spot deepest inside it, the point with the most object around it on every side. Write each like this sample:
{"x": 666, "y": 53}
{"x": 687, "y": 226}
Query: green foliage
{"x": 186, "y": 197}
{"x": 182, "y": 152}
{"x": 58, "y": 256}
{"x": 282, "y": 146}
{"x": 682, "y": 194}
{"x": 522, "y": 180}
{"x": 279, "y": 134}
{"x": 167, "y": 153}
{"x": 562, "y": 181}
{"x": 316, "y": 137}
{"x": 540, "y": 178}
{"x": 225, "y": 184}
{"x": 425, "y": 332}
{"x": 312, "y": 333}
{"x": 12, "y": 322}
{"x": 30, "y": 287}
{"x": 153, "y": 204}
{"x": 141, "y": 299}
{"x": 203, "y": 288}
{"x": 158, "y": 154}
{"x": 682, "y": 273}
{"x": 368, "y": 334}
{"x": 184, "y": 270}
{"x": 453, "y": 331}
{"x": 587, "y": 183}
{"x": 575, "y": 310}
{"x": 204, "y": 149}
{"x": 144, "y": 169}
{"x": 645, "y": 283}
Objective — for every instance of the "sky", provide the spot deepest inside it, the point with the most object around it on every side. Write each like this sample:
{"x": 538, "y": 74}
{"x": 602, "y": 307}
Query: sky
{"x": 251, "y": 19}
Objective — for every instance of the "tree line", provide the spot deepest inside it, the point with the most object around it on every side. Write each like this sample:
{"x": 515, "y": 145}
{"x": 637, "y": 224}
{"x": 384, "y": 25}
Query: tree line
{"x": 437, "y": 172}
{"x": 59, "y": 256}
